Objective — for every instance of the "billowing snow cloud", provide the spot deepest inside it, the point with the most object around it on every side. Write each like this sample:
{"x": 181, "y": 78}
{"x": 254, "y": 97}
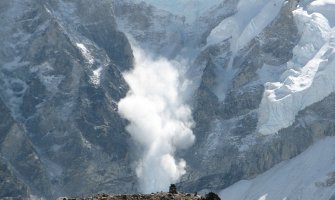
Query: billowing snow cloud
{"x": 159, "y": 120}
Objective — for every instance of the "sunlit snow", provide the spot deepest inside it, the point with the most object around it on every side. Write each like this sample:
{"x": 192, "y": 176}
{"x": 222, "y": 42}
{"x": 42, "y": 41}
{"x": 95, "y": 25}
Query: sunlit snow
{"x": 309, "y": 76}
{"x": 85, "y": 52}
{"x": 251, "y": 18}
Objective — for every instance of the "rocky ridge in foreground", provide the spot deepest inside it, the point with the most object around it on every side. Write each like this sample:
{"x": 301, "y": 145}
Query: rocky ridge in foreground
{"x": 153, "y": 196}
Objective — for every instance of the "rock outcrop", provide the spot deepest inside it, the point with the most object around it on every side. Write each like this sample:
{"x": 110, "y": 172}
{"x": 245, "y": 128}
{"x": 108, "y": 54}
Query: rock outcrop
{"x": 60, "y": 75}
{"x": 152, "y": 196}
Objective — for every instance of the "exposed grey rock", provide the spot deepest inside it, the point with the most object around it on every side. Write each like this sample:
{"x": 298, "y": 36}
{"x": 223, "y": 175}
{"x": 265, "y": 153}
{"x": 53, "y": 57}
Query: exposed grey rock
{"x": 66, "y": 137}
{"x": 333, "y": 197}
{"x": 157, "y": 31}
{"x": 61, "y": 65}
{"x": 228, "y": 148}
{"x": 11, "y": 185}
{"x": 164, "y": 34}
{"x": 231, "y": 165}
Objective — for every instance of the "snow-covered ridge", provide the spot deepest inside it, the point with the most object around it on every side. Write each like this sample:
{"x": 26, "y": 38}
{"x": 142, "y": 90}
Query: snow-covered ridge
{"x": 249, "y": 21}
{"x": 308, "y": 176}
{"x": 309, "y": 76}
{"x": 251, "y": 18}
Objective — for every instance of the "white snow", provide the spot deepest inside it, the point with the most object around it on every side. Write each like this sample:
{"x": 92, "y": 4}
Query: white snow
{"x": 309, "y": 76}
{"x": 261, "y": 13}
{"x": 224, "y": 77}
{"x": 269, "y": 73}
{"x": 191, "y": 9}
{"x": 161, "y": 124}
{"x": 251, "y": 18}
{"x": 224, "y": 30}
{"x": 305, "y": 177}
{"x": 325, "y": 7}
{"x": 96, "y": 73}
{"x": 86, "y": 53}
{"x": 96, "y": 76}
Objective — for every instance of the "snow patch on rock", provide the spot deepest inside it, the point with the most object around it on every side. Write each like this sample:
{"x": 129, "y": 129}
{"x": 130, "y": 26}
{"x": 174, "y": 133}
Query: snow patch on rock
{"x": 45, "y": 74}
{"x": 86, "y": 53}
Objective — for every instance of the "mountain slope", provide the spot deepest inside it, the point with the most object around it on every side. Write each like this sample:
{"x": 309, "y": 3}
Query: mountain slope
{"x": 310, "y": 175}
{"x": 258, "y": 76}
{"x": 70, "y": 136}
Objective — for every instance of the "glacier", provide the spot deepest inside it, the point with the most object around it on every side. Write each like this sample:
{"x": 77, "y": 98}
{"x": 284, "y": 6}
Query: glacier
{"x": 308, "y": 77}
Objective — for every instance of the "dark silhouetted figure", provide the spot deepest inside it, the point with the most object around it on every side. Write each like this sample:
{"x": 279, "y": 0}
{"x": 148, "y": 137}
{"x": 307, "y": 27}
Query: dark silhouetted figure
{"x": 173, "y": 189}
{"x": 212, "y": 196}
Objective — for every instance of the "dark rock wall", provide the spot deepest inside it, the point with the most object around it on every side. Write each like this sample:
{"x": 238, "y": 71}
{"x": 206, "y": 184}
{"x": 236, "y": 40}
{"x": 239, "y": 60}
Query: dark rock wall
{"x": 66, "y": 137}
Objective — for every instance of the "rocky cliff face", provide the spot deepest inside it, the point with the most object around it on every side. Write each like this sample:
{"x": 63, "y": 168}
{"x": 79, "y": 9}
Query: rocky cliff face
{"x": 61, "y": 65}
{"x": 229, "y": 145}
{"x": 231, "y": 74}
{"x": 230, "y": 116}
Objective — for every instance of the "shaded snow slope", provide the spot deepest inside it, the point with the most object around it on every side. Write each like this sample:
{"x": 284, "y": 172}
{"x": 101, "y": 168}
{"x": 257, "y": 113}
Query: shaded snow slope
{"x": 325, "y": 7}
{"x": 251, "y": 18}
{"x": 308, "y": 77}
{"x": 191, "y": 9}
{"x": 309, "y": 176}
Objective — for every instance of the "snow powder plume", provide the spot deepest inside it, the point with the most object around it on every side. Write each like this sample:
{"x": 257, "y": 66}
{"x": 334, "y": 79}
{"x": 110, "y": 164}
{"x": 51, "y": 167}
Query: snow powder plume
{"x": 159, "y": 120}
